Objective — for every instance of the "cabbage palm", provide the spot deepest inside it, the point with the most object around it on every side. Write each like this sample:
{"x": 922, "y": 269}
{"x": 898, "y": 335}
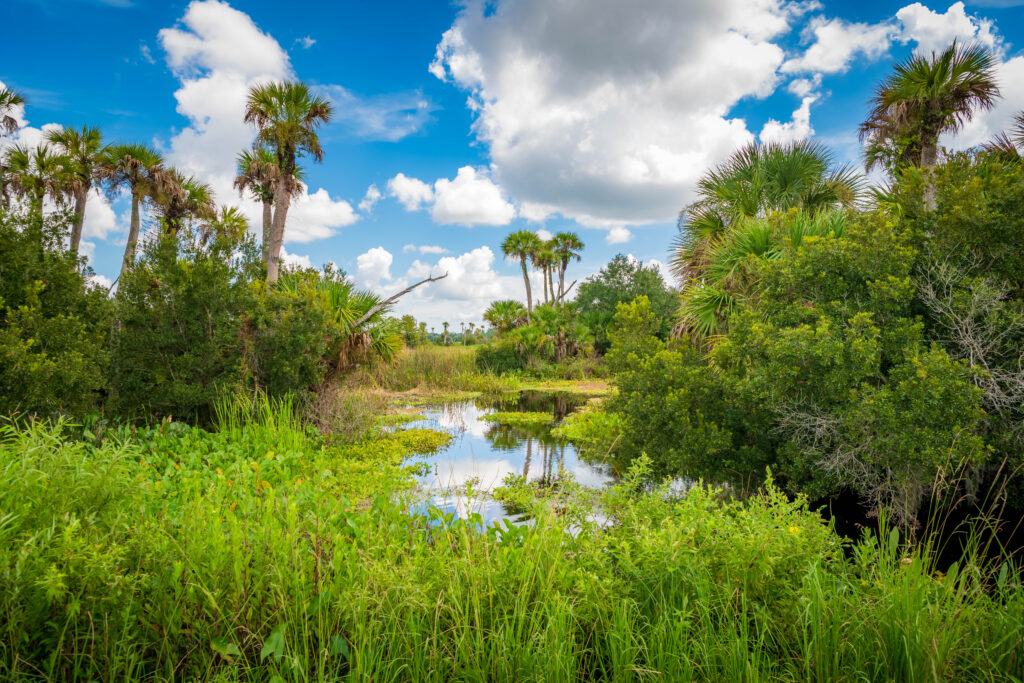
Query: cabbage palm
{"x": 9, "y": 100}
{"x": 229, "y": 222}
{"x": 257, "y": 173}
{"x": 731, "y": 262}
{"x": 756, "y": 180}
{"x": 522, "y": 245}
{"x": 356, "y": 335}
{"x": 567, "y": 246}
{"x": 84, "y": 151}
{"x": 182, "y": 198}
{"x": 1009, "y": 144}
{"x": 545, "y": 260}
{"x": 925, "y": 97}
{"x": 286, "y": 116}
{"x": 505, "y": 315}
{"x": 141, "y": 170}
{"x": 37, "y": 173}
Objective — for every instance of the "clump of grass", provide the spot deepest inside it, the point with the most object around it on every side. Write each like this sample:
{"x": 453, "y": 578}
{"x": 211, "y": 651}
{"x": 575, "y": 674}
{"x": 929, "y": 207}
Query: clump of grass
{"x": 446, "y": 368}
{"x": 518, "y": 419}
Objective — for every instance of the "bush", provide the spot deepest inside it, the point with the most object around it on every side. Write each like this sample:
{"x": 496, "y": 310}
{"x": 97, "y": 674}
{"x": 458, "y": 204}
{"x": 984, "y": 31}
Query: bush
{"x": 178, "y": 342}
{"x": 53, "y": 325}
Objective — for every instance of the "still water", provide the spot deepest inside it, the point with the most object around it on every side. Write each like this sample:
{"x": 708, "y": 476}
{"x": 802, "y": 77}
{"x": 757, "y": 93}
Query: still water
{"x": 482, "y": 454}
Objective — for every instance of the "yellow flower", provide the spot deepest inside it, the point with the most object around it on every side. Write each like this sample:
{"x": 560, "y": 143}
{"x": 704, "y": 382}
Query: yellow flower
{"x": 219, "y": 471}
{"x": 794, "y": 529}
{"x": 177, "y": 466}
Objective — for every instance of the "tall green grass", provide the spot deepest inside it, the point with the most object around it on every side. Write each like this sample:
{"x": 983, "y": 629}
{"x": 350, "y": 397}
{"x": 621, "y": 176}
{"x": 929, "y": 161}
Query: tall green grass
{"x": 262, "y": 552}
{"x": 446, "y": 368}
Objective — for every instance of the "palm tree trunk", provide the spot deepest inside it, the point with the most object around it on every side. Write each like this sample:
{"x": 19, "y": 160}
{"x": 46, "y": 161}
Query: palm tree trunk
{"x": 133, "y": 237}
{"x": 282, "y": 199}
{"x": 544, "y": 279}
{"x": 929, "y": 155}
{"x": 551, "y": 284}
{"x": 561, "y": 281}
{"x": 268, "y": 222}
{"x": 529, "y": 292}
{"x": 76, "y": 229}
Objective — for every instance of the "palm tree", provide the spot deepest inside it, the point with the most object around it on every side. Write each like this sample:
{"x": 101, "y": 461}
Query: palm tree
{"x": 8, "y": 101}
{"x": 505, "y": 315}
{"x": 286, "y": 116}
{"x": 229, "y": 221}
{"x": 546, "y": 260}
{"x": 257, "y": 172}
{"x": 141, "y": 170}
{"x": 522, "y": 245}
{"x": 567, "y": 246}
{"x": 37, "y": 173}
{"x": 1009, "y": 145}
{"x": 445, "y": 339}
{"x": 729, "y": 276}
{"x": 925, "y": 97}
{"x": 84, "y": 151}
{"x": 756, "y": 180}
{"x": 183, "y": 198}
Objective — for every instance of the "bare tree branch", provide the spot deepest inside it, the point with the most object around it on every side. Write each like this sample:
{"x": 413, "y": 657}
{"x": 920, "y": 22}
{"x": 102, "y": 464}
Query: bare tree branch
{"x": 393, "y": 298}
{"x": 562, "y": 297}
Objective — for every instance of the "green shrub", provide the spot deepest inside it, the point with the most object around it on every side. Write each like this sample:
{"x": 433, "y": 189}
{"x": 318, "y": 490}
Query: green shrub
{"x": 53, "y": 325}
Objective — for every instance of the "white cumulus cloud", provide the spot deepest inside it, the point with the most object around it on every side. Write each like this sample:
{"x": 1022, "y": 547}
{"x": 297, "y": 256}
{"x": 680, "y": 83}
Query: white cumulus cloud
{"x": 607, "y": 112}
{"x": 413, "y": 193}
{"x": 471, "y": 198}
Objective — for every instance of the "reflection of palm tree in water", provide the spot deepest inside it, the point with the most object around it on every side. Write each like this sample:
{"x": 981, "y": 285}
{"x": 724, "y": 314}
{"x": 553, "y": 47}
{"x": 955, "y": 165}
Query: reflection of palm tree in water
{"x": 529, "y": 456}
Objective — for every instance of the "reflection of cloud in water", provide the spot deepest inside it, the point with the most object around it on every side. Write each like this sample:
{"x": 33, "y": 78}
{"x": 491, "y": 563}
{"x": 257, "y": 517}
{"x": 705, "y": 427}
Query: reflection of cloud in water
{"x": 459, "y": 418}
{"x": 486, "y": 454}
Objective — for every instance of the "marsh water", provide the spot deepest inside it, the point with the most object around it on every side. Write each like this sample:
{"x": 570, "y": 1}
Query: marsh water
{"x": 482, "y": 454}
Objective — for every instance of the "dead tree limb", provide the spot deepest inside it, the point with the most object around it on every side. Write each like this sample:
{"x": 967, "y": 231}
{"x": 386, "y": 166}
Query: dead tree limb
{"x": 395, "y": 297}
{"x": 561, "y": 297}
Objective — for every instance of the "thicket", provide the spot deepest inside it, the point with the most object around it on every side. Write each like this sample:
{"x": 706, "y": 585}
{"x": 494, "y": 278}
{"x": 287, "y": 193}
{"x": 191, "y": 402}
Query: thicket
{"x": 882, "y": 355}
{"x": 192, "y": 321}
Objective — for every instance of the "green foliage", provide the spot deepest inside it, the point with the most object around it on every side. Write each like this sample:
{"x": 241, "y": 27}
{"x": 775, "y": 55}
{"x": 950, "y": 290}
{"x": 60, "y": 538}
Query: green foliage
{"x": 53, "y": 324}
{"x": 515, "y": 419}
{"x": 622, "y": 280}
{"x": 177, "y": 343}
{"x": 633, "y": 334}
{"x": 499, "y": 358}
{"x": 261, "y": 552}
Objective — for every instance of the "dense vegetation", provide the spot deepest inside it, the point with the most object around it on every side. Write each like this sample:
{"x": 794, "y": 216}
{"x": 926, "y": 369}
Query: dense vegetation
{"x": 198, "y": 480}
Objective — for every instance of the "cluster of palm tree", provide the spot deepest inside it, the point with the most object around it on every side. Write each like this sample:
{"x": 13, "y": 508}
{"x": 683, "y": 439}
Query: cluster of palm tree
{"x": 727, "y": 229}
{"x": 549, "y": 257}
{"x": 70, "y": 162}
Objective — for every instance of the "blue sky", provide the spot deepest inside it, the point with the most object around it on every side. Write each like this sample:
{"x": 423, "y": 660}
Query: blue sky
{"x": 470, "y": 120}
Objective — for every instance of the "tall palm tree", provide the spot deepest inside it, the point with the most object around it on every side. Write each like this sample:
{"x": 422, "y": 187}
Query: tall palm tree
{"x": 37, "y": 173}
{"x": 545, "y": 260}
{"x": 182, "y": 199}
{"x": 141, "y": 170}
{"x": 925, "y": 97}
{"x": 257, "y": 173}
{"x": 522, "y": 245}
{"x": 84, "y": 151}
{"x": 756, "y": 180}
{"x": 286, "y": 116}
{"x": 8, "y": 101}
{"x": 567, "y": 245}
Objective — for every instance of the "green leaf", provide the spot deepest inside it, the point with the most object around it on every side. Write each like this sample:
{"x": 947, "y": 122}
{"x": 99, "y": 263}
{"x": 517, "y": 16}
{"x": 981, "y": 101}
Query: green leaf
{"x": 274, "y": 644}
{"x": 225, "y": 647}
{"x": 339, "y": 646}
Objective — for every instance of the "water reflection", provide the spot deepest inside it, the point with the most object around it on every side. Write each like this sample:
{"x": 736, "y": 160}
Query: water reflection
{"x": 482, "y": 454}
